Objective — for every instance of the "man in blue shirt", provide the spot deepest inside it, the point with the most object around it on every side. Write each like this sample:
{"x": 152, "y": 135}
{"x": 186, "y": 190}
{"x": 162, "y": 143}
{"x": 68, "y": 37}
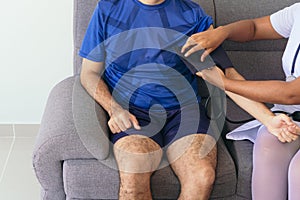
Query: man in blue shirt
{"x": 131, "y": 69}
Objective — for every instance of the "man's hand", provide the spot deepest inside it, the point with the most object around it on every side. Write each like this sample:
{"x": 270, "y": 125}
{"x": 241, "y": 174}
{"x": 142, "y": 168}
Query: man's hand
{"x": 214, "y": 76}
{"x": 121, "y": 120}
{"x": 208, "y": 40}
{"x": 283, "y": 128}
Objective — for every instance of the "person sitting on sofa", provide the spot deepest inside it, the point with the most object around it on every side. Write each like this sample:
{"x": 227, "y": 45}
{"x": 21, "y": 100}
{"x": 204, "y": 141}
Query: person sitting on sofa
{"x": 276, "y": 173}
{"x": 150, "y": 95}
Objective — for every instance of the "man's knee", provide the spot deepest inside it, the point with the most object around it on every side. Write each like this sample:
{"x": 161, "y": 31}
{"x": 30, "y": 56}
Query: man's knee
{"x": 195, "y": 164}
{"x": 203, "y": 176}
{"x": 137, "y": 154}
{"x": 195, "y": 146}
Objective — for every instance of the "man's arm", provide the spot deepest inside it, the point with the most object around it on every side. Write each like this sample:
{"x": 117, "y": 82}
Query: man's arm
{"x": 120, "y": 119}
{"x": 277, "y": 125}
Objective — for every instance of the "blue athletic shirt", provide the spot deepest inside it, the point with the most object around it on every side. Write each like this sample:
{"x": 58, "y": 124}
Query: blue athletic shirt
{"x": 134, "y": 40}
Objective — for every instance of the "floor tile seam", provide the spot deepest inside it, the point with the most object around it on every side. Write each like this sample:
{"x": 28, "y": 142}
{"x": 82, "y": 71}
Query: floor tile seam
{"x": 8, "y": 155}
{"x": 16, "y": 137}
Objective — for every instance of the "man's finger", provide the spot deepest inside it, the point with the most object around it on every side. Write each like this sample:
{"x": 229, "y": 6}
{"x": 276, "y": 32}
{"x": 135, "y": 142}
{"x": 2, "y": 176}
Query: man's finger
{"x": 280, "y": 138}
{"x": 286, "y": 119}
{"x": 199, "y": 74}
{"x": 113, "y": 128}
{"x": 292, "y": 129}
{"x": 135, "y": 122}
{"x": 291, "y": 136}
{"x": 298, "y": 130}
{"x": 285, "y": 136}
{"x": 127, "y": 123}
{"x": 119, "y": 123}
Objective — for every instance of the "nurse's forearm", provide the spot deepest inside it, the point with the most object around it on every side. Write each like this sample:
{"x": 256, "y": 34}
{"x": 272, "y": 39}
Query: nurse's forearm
{"x": 250, "y": 29}
{"x": 279, "y": 92}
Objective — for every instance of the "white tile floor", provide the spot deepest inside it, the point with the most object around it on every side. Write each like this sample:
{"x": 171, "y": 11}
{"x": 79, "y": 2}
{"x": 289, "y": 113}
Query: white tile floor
{"x": 17, "y": 179}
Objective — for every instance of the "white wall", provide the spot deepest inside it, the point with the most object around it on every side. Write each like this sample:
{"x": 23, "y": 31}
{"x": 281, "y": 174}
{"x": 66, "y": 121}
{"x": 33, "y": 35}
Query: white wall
{"x": 35, "y": 52}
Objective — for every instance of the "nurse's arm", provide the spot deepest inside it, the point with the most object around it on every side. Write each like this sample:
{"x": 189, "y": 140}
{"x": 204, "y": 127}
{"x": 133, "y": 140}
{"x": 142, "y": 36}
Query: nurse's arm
{"x": 273, "y": 91}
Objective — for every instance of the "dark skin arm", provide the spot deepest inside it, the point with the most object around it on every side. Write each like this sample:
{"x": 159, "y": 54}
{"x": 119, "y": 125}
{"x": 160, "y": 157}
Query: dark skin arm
{"x": 240, "y": 31}
{"x": 245, "y": 93}
{"x": 273, "y": 91}
{"x": 279, "y": 92}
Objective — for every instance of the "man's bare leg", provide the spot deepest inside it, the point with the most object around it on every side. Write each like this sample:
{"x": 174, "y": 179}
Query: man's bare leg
{"x": 193, "y": 159}
{"x": 137, "y": 157}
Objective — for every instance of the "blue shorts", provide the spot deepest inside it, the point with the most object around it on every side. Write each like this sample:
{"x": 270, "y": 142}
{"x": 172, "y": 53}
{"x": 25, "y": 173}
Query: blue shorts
{"x": 166, "y": 126}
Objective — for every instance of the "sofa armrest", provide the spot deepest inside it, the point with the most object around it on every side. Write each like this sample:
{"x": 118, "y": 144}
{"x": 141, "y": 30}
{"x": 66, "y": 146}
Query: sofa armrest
{"x": 73, "y": 127}
{"x": 90, "y": 121}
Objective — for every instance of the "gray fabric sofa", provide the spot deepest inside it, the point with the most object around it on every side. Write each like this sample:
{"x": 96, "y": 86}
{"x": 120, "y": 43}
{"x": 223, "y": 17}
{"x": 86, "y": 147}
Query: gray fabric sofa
{"x": 72, "y": 158}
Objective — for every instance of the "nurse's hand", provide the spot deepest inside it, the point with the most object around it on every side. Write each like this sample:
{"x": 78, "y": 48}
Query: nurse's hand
{"x": 208, "y": 40}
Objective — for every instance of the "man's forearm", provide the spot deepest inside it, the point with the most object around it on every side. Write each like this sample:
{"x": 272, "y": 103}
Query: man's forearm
{"x": 120, "y": 119}
{"x": 98, "y": 89}
{"x": 256, "y": 109}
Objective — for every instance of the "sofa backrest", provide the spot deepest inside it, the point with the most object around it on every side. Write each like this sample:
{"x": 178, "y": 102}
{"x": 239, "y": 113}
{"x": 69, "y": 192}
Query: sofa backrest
{"x": 83, "y": 10}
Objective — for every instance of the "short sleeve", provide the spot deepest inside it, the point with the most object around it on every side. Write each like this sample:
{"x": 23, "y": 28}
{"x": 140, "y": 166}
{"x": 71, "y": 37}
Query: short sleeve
{"x": 204, "y": 21}
{"x": 92, "y": 47}
{"x": 283, "y": 20}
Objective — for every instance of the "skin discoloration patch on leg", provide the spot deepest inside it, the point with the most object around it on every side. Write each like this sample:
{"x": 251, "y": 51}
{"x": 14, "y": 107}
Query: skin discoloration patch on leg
{"x": 137, "y": 154}
{"x": 193, "y": 159}
{"x": 137, "y": 157}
